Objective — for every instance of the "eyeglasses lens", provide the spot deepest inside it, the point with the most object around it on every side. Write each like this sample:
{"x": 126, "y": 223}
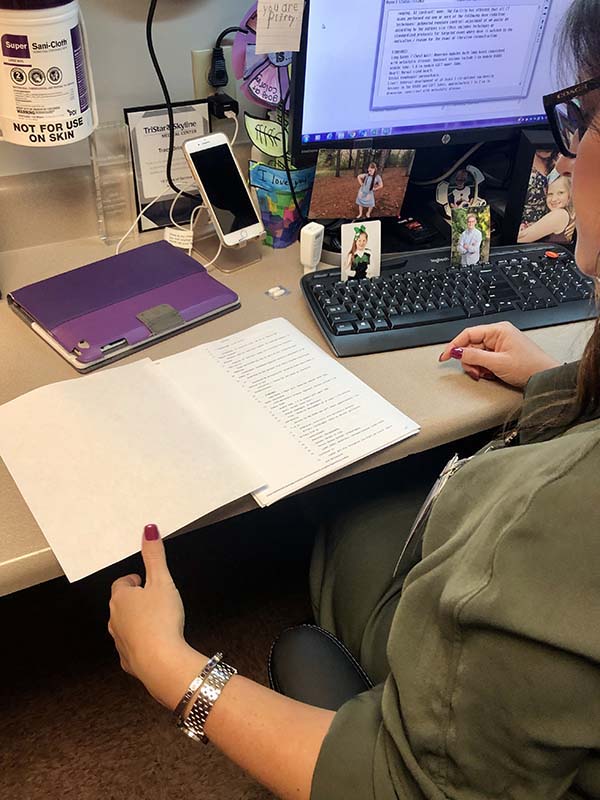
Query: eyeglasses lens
{"x": 571, "y": 123}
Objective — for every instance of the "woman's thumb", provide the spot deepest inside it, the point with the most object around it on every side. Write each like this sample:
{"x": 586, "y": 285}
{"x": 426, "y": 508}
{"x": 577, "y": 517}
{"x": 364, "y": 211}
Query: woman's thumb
{"x": 153, "y": 553}
{"x": 477, "y": 357}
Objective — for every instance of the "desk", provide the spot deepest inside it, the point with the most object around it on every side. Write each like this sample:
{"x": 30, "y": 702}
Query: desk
{"x": 446, "y": 403}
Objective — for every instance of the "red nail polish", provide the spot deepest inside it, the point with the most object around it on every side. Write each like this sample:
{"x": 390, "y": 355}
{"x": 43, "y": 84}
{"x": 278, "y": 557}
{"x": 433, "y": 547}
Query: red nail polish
{"x": 457, "y": 352}
{"x": 151, "y": 532}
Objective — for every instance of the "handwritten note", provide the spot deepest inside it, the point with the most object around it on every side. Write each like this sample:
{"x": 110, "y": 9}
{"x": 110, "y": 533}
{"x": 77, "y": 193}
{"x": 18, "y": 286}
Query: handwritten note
{"x": 278, "y": 26}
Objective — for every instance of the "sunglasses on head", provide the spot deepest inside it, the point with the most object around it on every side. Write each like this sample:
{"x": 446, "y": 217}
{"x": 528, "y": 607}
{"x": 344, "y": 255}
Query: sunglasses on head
{"x": 567, "y": 115}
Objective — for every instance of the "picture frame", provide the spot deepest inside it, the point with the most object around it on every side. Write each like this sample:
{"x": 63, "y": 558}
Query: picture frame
{"x": 148, "y": 140}
{"x": 360, "y": 183}
{"x": 527, "y": 200}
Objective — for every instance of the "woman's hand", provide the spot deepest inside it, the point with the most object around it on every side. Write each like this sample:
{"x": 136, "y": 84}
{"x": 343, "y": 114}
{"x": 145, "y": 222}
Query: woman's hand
{"x": 498, "y": 351}
{"x": 146, "y": 623}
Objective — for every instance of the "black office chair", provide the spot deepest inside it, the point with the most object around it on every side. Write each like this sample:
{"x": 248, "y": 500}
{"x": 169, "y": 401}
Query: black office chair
{"x": 309, "y": 664}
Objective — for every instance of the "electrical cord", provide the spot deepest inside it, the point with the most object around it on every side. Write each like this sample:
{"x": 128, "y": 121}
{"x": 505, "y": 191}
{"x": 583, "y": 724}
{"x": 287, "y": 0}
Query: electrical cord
{"x": 137, "y": 219}
{"x": 227, "y": 32}
{"x": 165, "y": 91}
{"x": 232, "y": 115}
{"x": 174, "y": 203}
{"x": 452, "y": 169}
{"x": 284, "y": 144}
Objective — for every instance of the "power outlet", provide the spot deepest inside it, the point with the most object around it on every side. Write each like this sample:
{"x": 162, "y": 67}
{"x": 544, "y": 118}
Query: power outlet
{"x": 200, "y": 67}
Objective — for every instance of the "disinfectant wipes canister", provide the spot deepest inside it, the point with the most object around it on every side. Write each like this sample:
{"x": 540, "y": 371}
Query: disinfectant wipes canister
{"x": 46, "y": 94}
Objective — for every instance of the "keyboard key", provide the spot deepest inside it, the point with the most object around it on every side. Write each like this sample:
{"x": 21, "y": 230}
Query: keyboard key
{"x": 364, "y": 326}
{"x": 426, "y": 317}
{"x": 344, "y": 328}
{"x": 381, "y": 324}
{"x": 342, "y": 318}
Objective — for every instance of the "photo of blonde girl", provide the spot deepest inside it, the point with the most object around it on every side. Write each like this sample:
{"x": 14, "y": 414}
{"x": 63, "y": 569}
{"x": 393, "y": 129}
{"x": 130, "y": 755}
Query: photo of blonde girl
{"x": 369, "y": 182}
{"x": 558, "y": 223}
{"x": 361, "y": 250}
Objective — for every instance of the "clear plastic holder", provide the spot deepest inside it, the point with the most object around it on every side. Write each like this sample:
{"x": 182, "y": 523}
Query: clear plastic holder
{"x": 113, "y": 178}
{"x": 230, "y": 259}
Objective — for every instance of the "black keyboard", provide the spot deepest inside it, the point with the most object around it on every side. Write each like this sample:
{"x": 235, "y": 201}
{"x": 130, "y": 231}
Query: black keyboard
{"x": 421, "y": 299}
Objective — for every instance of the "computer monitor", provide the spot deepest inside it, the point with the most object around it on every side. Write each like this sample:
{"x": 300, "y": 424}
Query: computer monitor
{"x": 416, "y": 73}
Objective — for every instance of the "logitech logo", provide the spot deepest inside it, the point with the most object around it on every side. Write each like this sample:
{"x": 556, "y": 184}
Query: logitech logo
{"x": 14, "y": 46}
{"x": 439, "y": 260}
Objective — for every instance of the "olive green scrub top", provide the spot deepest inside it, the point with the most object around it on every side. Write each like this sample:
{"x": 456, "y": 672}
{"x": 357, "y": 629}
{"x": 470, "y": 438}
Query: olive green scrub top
{"x": 494, "y": 648}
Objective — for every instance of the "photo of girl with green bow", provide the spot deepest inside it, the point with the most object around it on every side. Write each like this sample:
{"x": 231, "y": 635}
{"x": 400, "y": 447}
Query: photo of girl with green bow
{"x": 361, "y": 243}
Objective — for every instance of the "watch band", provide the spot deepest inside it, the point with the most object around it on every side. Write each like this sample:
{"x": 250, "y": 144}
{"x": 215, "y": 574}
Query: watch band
{"x": 210, "y": 690}
{"x": 195, "y": 685}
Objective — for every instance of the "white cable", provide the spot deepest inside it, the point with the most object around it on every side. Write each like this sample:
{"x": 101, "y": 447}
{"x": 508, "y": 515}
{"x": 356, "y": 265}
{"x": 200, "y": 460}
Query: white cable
{"x": 232, "y": 115}
{"x": 212, "y": 261}
{"x": 139, "y": 216}
{"x": 174, "y": 203}
{"x": 172, "y": 209}
{"x": 193, "y": 220}
{"x": 449, "y": 172}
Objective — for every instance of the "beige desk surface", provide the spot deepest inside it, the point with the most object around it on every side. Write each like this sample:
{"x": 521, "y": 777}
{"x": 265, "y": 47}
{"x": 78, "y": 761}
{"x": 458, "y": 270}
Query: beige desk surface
{"x": 447, "y": 404}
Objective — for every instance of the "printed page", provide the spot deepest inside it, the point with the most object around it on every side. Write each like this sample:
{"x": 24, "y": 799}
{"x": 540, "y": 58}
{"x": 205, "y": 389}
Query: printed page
{"x": 96, "y": 458}
{"x": 297, "y": 413}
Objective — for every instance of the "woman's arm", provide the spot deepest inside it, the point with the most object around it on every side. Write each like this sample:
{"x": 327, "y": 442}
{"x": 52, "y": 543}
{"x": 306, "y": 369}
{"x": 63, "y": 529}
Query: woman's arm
{"x": 553, "y": 222}
{"x": 275, "y": 739}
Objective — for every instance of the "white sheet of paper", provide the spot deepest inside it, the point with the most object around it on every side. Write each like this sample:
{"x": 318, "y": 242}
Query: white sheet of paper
{"x": 278, "y": 26}
{"x": 97, "y": 458}
{"x": 297, "y": 413}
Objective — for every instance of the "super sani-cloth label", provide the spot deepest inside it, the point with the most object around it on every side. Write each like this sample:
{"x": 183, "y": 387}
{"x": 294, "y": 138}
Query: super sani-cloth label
{"x": 44, "y": 96}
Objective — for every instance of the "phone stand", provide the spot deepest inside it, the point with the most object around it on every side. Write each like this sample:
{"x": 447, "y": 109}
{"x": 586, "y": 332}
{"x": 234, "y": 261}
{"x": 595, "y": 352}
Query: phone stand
{"x": 230, "y": 258}
{"x": 206, "y": 245}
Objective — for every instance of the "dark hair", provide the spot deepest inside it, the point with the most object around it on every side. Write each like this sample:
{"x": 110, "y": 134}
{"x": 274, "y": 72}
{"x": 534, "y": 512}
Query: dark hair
{"x": 579, "y": 42}
{"x": 579, "y": 46}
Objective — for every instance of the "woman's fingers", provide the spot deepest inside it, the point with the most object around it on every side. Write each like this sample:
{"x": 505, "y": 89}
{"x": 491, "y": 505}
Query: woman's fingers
{"x": 468, "y": 337}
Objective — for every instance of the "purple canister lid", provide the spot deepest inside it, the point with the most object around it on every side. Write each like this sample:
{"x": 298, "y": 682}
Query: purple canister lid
{"x": 32, "y": 5}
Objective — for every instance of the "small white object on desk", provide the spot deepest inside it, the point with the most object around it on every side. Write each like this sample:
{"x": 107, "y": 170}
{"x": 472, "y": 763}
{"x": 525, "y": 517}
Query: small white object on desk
{"x": 311, "y": 246}
{"x": 277, "y": 291}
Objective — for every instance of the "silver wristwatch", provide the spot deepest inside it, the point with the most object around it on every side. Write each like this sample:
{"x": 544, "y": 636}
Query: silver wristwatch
{"x": 211, "y": 687}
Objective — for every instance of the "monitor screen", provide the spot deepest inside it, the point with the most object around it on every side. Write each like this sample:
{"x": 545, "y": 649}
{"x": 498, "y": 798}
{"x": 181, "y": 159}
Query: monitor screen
{"x": 435, "y": 71}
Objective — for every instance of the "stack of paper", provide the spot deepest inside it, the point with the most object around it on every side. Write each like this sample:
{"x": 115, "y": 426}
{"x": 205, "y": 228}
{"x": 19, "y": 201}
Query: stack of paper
{"x": 264, "y": 411}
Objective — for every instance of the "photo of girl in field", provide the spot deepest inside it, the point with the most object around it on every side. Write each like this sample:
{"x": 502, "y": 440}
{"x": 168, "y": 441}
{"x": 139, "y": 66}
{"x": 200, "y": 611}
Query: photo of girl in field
{"x": 360, "y": 184}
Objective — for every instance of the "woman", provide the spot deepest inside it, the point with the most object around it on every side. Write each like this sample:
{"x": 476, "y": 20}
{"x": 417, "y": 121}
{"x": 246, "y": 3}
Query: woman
{"x": 558, "y": 224}
{"x": 490, "y": 662}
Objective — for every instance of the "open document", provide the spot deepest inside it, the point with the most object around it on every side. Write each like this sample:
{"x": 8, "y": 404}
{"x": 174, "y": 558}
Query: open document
{"x": 287, "y": 405}
{"x": 97, "y": 458}
{"x": 264, "y": 411}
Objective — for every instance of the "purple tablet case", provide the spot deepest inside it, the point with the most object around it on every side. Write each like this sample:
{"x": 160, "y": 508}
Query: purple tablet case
{"x": 123, "y": 302}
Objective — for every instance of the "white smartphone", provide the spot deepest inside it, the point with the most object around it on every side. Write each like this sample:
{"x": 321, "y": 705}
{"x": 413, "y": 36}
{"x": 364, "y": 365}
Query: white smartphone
{"x": 223, "y": 188}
